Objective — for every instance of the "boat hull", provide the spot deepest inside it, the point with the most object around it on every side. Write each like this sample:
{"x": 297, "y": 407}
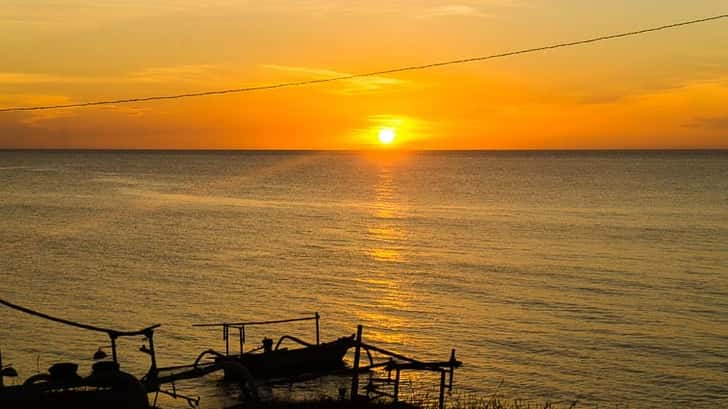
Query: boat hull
{"x": 110, "y": 389}
{"x": 284, "y": 363}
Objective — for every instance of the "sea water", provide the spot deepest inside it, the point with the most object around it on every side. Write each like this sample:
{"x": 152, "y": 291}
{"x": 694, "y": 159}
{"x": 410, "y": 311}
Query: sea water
{"x": 597, "y": 277}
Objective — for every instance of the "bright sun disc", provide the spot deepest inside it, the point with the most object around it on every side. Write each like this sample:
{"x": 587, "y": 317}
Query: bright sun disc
{"x": 386, "y": 136}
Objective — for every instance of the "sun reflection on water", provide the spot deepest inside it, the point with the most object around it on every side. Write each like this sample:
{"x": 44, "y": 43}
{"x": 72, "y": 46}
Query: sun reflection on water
{"x": 390, "y": 295}
{"x": 386, "y": 234}
{"x": 388, "y": 330}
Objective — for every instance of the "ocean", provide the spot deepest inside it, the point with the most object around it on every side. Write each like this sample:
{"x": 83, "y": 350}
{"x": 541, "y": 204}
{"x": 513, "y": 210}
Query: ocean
{"x": 592, "y": 276}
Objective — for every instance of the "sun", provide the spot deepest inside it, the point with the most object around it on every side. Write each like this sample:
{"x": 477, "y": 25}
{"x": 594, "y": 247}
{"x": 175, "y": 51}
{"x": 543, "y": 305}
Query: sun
{"x": 386, "y": 136}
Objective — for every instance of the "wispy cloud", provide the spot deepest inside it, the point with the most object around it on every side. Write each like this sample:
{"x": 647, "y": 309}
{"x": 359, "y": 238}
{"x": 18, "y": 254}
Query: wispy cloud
{"x": 40, "y": 119}
{"x": 7, "y": 99}
{"x": 453, "y": 10}
{"x": 468, "y": 8}
{"x": 713, "y": 123}
{"x": 86, "y": 13}
{"x": 202, "y": 76}
{"x": 25, "y": 78}
{"x": 201, "y": 73}
{"x": 29, "y": 99}
{"x": 351, "y": 86}
{"x": 176, "y": 73}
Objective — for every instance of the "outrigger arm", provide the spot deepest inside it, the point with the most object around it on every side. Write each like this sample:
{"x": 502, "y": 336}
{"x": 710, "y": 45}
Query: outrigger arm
{"x": 112, "y": 333}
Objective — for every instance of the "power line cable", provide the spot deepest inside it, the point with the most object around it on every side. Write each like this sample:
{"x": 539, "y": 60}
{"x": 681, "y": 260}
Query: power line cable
{"x": 368, "y": 74}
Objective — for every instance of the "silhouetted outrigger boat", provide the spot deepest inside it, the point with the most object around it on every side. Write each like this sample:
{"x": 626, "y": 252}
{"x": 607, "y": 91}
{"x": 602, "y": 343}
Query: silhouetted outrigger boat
{"x": 273, "y": 362}
{"x": 62, "y": 387}
{"x": 318, "y": 359}
{"x": 107, "y": 386}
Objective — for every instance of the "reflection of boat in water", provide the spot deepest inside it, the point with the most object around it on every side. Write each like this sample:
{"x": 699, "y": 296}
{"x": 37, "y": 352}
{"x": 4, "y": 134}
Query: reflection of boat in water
{"x": 274, "y": 362}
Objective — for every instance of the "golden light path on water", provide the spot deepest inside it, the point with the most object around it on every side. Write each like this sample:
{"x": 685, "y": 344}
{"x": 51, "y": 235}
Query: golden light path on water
{"x": 384, "y": 244}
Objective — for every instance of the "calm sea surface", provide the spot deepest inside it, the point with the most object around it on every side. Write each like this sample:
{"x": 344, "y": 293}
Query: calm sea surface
{"x": 600, "y": 277}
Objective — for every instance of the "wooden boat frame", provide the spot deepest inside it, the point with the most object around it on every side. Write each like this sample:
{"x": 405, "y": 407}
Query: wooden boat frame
{"x": 281, "y": 363}
{"x": 151, "y": 381}
{"x": 234, "y": 364}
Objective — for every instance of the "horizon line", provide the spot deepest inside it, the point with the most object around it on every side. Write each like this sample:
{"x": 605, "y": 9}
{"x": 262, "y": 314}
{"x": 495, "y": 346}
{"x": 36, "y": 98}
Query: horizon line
{"x": 367, "y": 150}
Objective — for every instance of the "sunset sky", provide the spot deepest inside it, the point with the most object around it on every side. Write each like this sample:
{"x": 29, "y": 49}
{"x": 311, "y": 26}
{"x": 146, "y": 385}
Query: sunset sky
{"x": 660, "y": 90}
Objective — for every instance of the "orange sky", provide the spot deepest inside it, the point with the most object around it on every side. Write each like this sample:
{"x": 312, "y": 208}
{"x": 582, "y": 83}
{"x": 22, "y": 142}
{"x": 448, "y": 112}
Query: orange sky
{"x": 662, "y": 90}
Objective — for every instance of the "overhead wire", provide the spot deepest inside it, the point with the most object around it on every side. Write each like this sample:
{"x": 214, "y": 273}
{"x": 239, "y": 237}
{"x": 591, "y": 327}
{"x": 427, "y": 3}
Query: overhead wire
{"x": 368, "y": 74}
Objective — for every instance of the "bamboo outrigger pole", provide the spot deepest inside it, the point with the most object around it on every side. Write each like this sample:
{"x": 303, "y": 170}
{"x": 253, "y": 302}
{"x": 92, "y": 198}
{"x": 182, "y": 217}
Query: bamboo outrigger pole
{"x": 240, "y": 326}
{"x": 112, "y": 333}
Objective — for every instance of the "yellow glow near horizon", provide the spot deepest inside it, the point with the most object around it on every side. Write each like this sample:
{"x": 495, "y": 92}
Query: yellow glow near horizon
{"x": 386, "y": 136}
